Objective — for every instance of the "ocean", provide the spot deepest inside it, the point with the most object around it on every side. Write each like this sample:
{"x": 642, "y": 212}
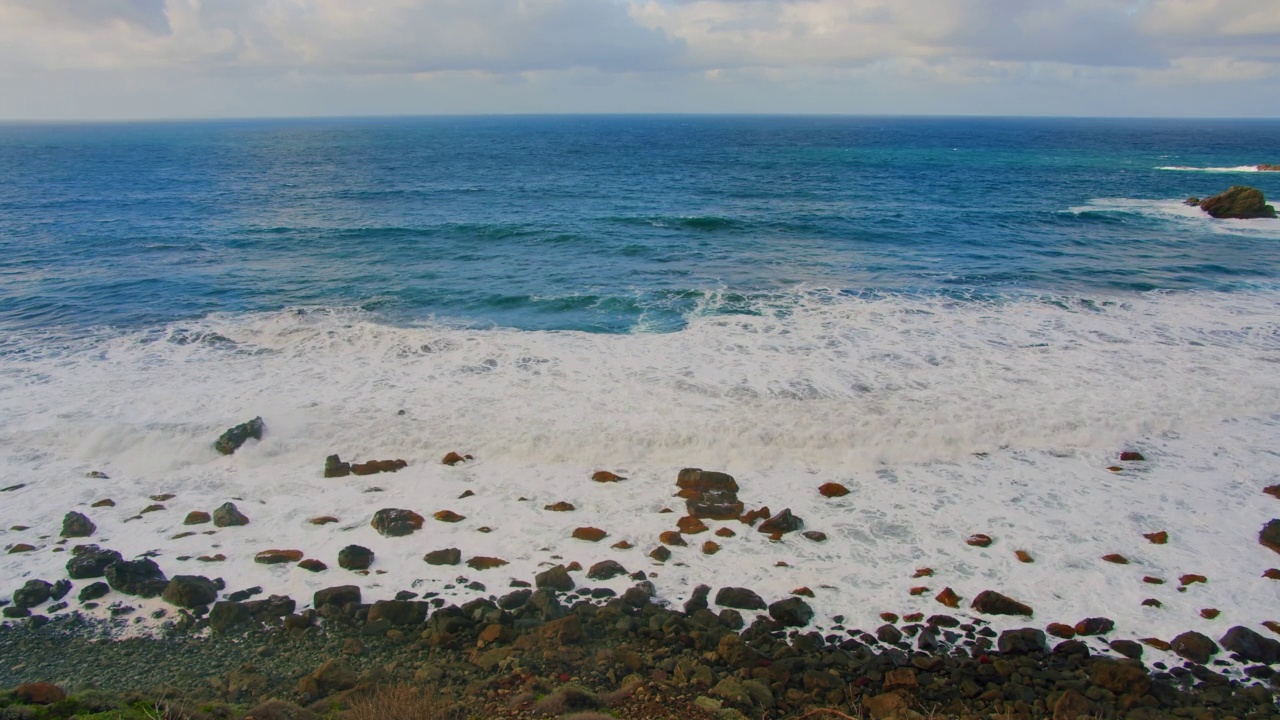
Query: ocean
{"x": 963, "y": 320}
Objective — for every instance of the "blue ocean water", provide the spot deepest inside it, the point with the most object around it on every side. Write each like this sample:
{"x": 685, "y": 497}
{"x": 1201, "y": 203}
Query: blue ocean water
{"x": 608, "y": 224}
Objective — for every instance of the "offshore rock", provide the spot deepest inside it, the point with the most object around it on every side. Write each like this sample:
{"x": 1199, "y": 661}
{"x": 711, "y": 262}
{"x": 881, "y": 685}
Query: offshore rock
{"x": 1251, "y": 646}
{"x": 77, "y": 525}
{"x": 1194, "y": 646}
{"x": 232, "y": 439}
{"x": 141, "y": 578}
{"x": 1238, "y": 202}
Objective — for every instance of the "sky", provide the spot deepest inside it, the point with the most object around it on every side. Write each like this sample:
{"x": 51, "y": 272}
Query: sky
{"x": 170, "y": 59}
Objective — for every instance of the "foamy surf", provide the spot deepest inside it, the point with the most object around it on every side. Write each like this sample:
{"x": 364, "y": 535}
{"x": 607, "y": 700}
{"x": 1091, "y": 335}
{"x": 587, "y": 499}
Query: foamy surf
{"x": 944, "y": 418}
{"x": 1181, "y": 216}
{"x": 1236, "y": 169}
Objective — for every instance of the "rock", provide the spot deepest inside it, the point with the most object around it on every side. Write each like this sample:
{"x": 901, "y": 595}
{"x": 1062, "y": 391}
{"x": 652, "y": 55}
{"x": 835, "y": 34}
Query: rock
{"x": 923, "y": 572}
{"x": 278, "y": 557}
{"x": 141, "y": 578}
{"x": 833, "y": 490}
{"x": 1156, "y": 643}
{"x": 1095, "y": 626}
{"x": 731, "y": 690}
{"x": 660, "y": 553}
{"x": 1268, "y": 168}
{"x": 698, "y": 600}
{"x": 715, "y": 505}
{"x": 1270, "y": 535}
{"x": 454, "y": 458}
{"x": 331, "y": 677}
{"x": 335, "y": 468}
{"x": 622, "y": 545}
{"x": 393, "y": 522}
{"x": 228, "y": 515}
{"x": 672, "y": 537}
{"x": 105, "y": 502}
{"x": 448, "y": 556}
{"x": 1157, "y": 538}
{"x": 77, "y": 525}
{"x": 590, "y": 534}
{"x": 1127, "y": 648}
{"x": 399, "y": 612}
{"x": 889, "y": 634}
{"x": 1272, "y": 490}
{"x": 1191, "y": 579}
{"x": 888, "y": 706}
{"x": 355, "y": 557}
{"x": 705, "y": 481}
{"x": 1271, "y": 573}
{"x": 791, "y": 612}
{"x": 93, "y": 591}
{"x": 1131, "y": 456}
{"x": 448, "y": 516}
{"x": 1071, "y": 705}
{"x": 1026, "y": 640}
{"x": 197, "y": 517}
{"x": 990, "y": 602}
{"x": 783, "y": 522}
{"x": 91, "y": 562}
{"x": 313, "y": 565}
{"x": 815, "y": 535}
{"x": 40, "y": 694}
{"x": 1194, "y": 646}
{"x": 557, "y": 578}
{"x": 190, "y": 591}
{"x": 604, "y": 476}
{"x": 481, "y": 562}
{"x": 691, "y": 525}
{"x": 323, "y": 520}
{"x": 1238, "y": 202}
{"x": 561, "y": 506}
{"x": 1210, "y": 613}
{"x": 1059, "y": 630}
{"x": 1251, "y": 646}
{"x": 340, "y": 595}
{"x": 1152, "y": 580}
{"x": 740, "y": 599}
{"x": 606, "y": 570}
{"x": 1116, "y": 558}
{"x": 1120, "y": 676}
{"x": 949, "y": 598}
{"x": 1152, "y": 602}
{"x": 1023, "y": 556}
{"x": 31, "y": 594}
{"x": 979, "y": 540}
{"x": 373, "y": 467}
{"x": 565, "y": 631}
{"x": 232, "y": 439}
{"x": 1193, "y": 201}
{"x": 710, "y": 548}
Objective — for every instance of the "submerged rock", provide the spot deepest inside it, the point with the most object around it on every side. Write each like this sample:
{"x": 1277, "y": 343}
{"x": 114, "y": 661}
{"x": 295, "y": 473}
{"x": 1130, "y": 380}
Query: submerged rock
{"x": 1238, "y": 202}
{"x": 232, "y": 439}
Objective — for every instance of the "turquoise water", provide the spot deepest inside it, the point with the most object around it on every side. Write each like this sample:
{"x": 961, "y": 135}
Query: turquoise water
{"x": 607, "y": 224}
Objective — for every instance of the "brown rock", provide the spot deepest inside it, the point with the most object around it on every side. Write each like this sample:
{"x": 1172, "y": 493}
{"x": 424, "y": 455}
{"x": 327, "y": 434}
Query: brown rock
{"x": 1239, "y": 202}
{"x": 833, "y": 490}
{"x": 690, "y": 525}
{"x": 1131, "y": 456}
{"x": 889, "y": 617}
{"x": 104, "y": 503}
{"x": 1272, "y": 574}
{"x": 590, "y": 534}
{"x": 481, "y": 562}
{"x": 782, "y": 523}
{"x": 918, "y": 591}
{"x": 197, "y": 517}
{"x": 710, "y": 548}
{"x": 1095, "y": 626}
{"x": 622, "y": 545}
{"x": 1116, "y": 558}
{"x": 660, "y": 553}
{"x": 313, "y": 565}
{"x": 466, "y": 494}
{"x": 561, "y": 506}
{"x": 212, "y": 558}
{"x": 979, "y": 540}
{"x": 1059, "y": 630}
{"x": 1272, "y": 490}
{"x": 1116, "y": 469}
{"x": 565, "y": 631}
{"x": 448, "y": 516}
{"x": 802, "y": 591}
{"x": 454, "y": 458}
{"x": 949, "y": 598}
{"x": 152, "y": 508}
{"x": 396, "y": 522}
{"x": 903, "y": 678}
{"x": 1156, "y": 643}
{"x": 913, "y": 617}
{"x": 1157, "y": 538}
{"x": 1272, "y": 625}
{"x": 21, "y": 548}
{"x": 574, "y": 566}
{"x": 1152, "y": 602}
{"x": 604, "y": 476}
{"x": 755, "y": 516}
{"x": 40, "y": 693}
{"x": 705, "y": 481}
{"x": 276, "y": 557}
{"x": 1270, "y": 535}
{"x": 888, "y": 706}
{"x": 725, "y": 532}
{"x": 1210, "y": 613}
{"x": 163, "y": 497}
{"x": 323, "y": 520}
{"x": 1191, "y": 579}
{"x": 373, "y": 467}
{"x": 1071, "y": 705}
{"x": 671, "y": 537}
{"x": 1152, "y": 580}
{"x": 923, "y": 572}
{"x": 990, "y": 602}
{"x": 1023, "y": 556}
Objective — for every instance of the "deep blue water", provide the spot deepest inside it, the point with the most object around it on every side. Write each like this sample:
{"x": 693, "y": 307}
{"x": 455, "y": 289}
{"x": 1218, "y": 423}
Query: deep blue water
{"x": 596, "y": 222}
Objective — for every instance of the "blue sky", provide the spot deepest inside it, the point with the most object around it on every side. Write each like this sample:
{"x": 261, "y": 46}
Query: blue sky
{"x": 126, "y": 59}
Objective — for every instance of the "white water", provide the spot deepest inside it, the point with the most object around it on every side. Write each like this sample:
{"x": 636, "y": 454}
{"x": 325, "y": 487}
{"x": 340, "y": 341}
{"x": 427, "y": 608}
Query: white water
{"x": 892, "y": 397}
{"x": 1237, "y": 169}
{"x": 1183, "y": 217}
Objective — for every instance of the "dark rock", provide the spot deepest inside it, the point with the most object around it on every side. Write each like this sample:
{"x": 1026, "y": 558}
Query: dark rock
{"x": 60, "y": 589}
{"x": 660, "y": 553}
{"x": 274, "y": 606}
{"x": 1127, "y": 648}
{"x": 1026, "y": 640}
{"x": 242, "y": 595}
{"x": 1194, "y": 646}
{"x": 399, "y": 612}
{"x": 706, "y": 481}
{"x": 1095, "y": 626}
{"x": 340, "y": 595}
{"x": 739, "y": 598}
{"x": 1251, "y": 646}
{"x": 378, "y": 466}
{"x": 990, "y": 602}
{"x": 715, "y": 505}
{"x": 697, "y": 601}
{"x": 313, "y": 565}
{"x": 14, "y": 612}
{"x": 190, "y": 591}
{"x": 197, "y": 517}
{"x": 331, "y": 677}
{"x": 93, "y": 591}
{"x": 515, "y": 599}
{"x": 226, "y": 615}
{"x": 77, "y": 525}
{"x": 141, "y": 578}
{"x": 783, "y": 522}
{"x": 448, "y": 556}
{"x": 1193, "y": 201}
{"x": 393, "y": 522}
{"x": 355, "y": 557}
{"x": 815, "y": 535}
{"x": 1071, "y": 648}
{"x": 1120, "y": 676}
{"x": 228, "y": 515}
{"x": 335, "y": 468}
{"x": 1238, "y": 202}
{"x": 33, "y": 593}
{"x": 889, "y": 634}
{"x": 91, "y": 562}
{"x": 1270, "y": 535}
{"x": 232, "y": 439}
{"x": 791, "y": 612}
{"x": 556, "y": 578}
{"x": 605, "y": 570}
{"x": 638, "y": 595}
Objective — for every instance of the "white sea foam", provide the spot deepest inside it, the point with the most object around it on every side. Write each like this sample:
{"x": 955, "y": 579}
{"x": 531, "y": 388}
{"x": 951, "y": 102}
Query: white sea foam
{"x": 1237, "y": 169}
{"x": 1179, "y": 213}
{"x": 891, "y": 396}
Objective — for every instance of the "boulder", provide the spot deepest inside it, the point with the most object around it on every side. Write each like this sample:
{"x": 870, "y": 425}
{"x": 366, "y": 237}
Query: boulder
{"x": 1251, "y": 646}
{"x": 393, "y": 522}
{"x": 448, "y": 556}
{"x": 60, "y": 589}
{"x": 1026, "y": 640}
{"x": 1120, "y": 676}
{"x": 1194, "y": 646}
{"x": 335, "y": 468}
{"x": 1128, "y": 648}
{"x": 979, "y": 540}
{"x": 77, "y": 525}
{"x": 557, "y": 578}
{"x": 91, "y": 562}
{"x": 791, "y": 612}
{"x": 1238, "y": 202}
{"x": 606, "y": 570}
{"x": 561, "y": 506}
{"x": 93, "y": 591}
{"x": 590, "y": 534}
{"x": 482, "y": 562}
{"x": 1095, "y": 626}
{"x": 453, "y": 458}
{"x": 705, "y": 480}
{"x": 232, "y": 439}
{"x": 783, "y": 522}
{"x": 1157, "y": 538}
{"x": 190, "y": 591}
{"x": 355, "y": 557}
{"x": 1270, "y": 535}
{"x": 740, "y": 599}
{"x": 990, "y": 602}
{"x": 660, "y": 553}
{"x": 448, "y": 516}
{"x": 698, "y": 600}
{"x": 399, "y": 612}
{"x": 715, "y": 505}
{"x": 340, "y": 595}
{"x": 197, "y": 517}
{"x": 948, "y": 597}
{"x": 31, "y": 594}
{"x": 278, "y": 557}
{"x": 1264, "y": 167}
{"x": 313, "y": 565}
{"x": 833, "y": 490}
{"x": 690, "y": 525}
{"x": 228, "y": 515}
{"x": 141, "y": 578}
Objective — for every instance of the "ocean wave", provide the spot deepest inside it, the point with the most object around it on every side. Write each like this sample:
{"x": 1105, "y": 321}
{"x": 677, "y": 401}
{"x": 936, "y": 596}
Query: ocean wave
{"x": 1236, "y": 169}
{"x": 1174, "y": 212}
